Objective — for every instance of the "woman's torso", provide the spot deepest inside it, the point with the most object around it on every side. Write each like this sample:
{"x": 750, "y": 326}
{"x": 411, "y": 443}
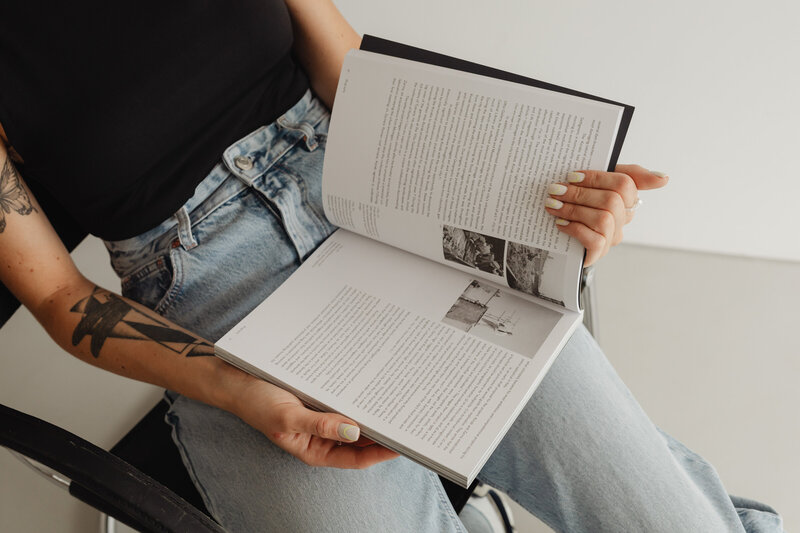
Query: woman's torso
{"x": 120, "y": 109}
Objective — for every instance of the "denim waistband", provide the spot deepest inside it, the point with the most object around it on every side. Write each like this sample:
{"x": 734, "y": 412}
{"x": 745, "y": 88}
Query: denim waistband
{"x": 241, "y": 164}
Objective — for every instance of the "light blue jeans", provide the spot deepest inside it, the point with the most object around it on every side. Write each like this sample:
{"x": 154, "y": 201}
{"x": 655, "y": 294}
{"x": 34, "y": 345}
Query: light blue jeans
{"x": 582, "y": 456}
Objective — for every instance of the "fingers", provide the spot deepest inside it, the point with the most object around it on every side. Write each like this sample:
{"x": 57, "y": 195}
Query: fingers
{"x": 352, "y": 456}
{"x": 601, "y": 211}
{"x": 596, "y": 229}
{"x": 595, "y": 243}
{"x": 300, "y": 419}
{"x": 598, "y": 220}
{"x": 607, "y": 200}
{"x": 643, "y": 178}
{"x": 617, "y": 182}
{"x": 627, "y": 180}
{"x": 593, "y": 206}
{"x": 316, "y": 439}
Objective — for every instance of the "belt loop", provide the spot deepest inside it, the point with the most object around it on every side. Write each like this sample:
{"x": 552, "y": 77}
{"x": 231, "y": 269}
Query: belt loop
{"x": 309, "y": 135}
{"x": 185, "y": 234}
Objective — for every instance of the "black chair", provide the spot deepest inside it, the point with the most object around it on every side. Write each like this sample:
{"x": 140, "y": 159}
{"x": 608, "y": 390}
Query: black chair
{"x": 141, "y": 481}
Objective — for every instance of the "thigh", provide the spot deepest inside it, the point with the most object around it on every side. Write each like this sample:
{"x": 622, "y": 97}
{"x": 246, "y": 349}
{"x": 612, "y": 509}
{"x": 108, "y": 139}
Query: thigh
{"x": 251, "y": 485}
{"x": 583, "y": 456}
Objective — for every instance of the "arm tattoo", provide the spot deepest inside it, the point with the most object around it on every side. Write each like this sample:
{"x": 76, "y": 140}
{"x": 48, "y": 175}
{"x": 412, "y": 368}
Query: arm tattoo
{"x": 106, "y": 315}
{"x": 13, "y": 196}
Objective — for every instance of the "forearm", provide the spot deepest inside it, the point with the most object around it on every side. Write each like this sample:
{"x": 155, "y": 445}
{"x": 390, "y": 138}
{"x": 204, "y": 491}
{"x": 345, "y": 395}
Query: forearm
{"x": 322, "y": 37}
{"x": 116, "y": 334}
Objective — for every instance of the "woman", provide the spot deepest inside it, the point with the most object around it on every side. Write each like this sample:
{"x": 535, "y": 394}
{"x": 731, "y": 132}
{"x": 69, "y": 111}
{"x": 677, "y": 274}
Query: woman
{"x": 146, "y": 123}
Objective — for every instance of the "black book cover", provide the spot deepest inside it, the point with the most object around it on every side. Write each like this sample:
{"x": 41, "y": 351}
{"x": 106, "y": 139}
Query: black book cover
{"x": 371, "y": 43}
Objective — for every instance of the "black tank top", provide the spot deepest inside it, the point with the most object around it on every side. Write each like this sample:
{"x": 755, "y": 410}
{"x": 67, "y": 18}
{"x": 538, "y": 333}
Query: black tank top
{"x": 119, "y": 109}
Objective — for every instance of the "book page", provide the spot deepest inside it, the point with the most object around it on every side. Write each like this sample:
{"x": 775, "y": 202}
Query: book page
{"x": 455, "y": 167}
{"x": 427, "y": 360}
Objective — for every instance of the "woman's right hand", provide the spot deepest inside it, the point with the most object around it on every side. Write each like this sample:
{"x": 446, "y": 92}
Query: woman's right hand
{"x": 311, "y": 436}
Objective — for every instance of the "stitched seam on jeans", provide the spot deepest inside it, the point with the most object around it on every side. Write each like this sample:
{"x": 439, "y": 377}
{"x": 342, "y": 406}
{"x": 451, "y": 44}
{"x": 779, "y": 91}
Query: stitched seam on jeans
{"x": 294, "y": 229}
{"x": 301, "y": 183}
{"x": 228, "y": 200}
{"x": 273, "y": 209}
{"x": 444, "y": 501}
{"x": 277, "y": 164}
{"x": 170, "y": 417}
{"x": 175, "y": 285}
{"x": 143, "y": 272}
{"x": 678, "y": 448}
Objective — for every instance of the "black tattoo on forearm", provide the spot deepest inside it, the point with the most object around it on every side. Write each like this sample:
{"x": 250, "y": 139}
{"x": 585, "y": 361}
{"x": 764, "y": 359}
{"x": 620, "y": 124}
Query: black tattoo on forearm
{"x": 106, "y": 315}
{"x": 13, "y": 196}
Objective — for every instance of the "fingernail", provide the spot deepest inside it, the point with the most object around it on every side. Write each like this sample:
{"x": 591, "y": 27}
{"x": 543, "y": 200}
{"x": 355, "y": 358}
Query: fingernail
{"x": 575, "y": 177}
{"x": 659, "y": 174}
{"x": 557, "y": 189}
{"x": 562, "y": 222}
{"x": 552, "y": 203}
{"x": 348, "y": 432}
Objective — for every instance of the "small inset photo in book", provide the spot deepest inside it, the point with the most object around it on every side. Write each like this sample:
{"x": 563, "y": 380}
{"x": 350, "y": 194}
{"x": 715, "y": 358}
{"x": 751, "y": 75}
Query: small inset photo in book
{"x": 473, "y": 249}
{"x": 535, "y": 271}
{"x": 501, "y": 318}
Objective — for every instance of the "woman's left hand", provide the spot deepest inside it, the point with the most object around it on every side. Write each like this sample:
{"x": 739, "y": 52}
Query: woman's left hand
{"x": 593, "y": 206}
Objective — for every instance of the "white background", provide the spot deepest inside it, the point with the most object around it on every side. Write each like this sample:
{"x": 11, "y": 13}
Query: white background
{"x": 714, "y": 84}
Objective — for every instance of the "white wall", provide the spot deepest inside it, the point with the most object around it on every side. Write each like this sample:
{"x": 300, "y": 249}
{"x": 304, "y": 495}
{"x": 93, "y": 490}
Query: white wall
{"x": 708, "y": 345}
{"x": 714, "y": 83}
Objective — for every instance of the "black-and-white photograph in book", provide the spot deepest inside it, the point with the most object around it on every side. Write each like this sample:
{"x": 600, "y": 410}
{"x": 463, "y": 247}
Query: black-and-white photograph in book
{"x": 535, "y": 271}
{"x": 473, "y": 249}
{"x": 501, "y": 318}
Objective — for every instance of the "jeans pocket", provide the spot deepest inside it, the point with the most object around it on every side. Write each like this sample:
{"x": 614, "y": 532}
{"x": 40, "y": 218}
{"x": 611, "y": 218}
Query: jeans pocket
{"x": 152, "y": 284}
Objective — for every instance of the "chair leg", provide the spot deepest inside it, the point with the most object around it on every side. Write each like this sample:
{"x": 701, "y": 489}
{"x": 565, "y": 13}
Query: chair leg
{"x": 107, "y": 524}
{"x": 589, "y": 300}
{"x": 48, "y": 473}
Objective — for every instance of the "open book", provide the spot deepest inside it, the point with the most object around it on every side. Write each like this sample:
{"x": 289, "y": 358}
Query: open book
{"x": 432, "y": 316}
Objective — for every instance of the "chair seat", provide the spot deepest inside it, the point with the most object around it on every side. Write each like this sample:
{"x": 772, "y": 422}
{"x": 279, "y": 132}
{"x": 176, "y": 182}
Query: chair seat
{"x": 149, "y": 447}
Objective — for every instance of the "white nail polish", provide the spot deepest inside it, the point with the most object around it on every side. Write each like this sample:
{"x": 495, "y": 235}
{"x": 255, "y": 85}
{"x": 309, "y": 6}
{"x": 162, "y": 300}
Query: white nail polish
{"x": 562, "y": 222}
{"x": 659, "y": 174}
{"x": 575, "y": 177}
{"x": 348, "y": 432}
{"x": 557, "y": 189}
{"x": 552, "y": 203}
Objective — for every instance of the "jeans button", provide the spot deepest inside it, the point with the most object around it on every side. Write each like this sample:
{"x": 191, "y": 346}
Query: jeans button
{"x": 243, "y": 162}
